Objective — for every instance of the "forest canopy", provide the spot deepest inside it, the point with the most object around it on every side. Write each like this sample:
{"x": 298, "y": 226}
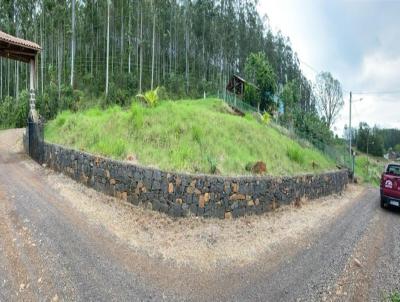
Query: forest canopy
{"x": 190, "y": 47}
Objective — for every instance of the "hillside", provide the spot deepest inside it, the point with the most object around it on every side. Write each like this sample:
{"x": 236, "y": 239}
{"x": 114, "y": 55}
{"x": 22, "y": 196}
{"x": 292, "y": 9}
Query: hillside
{"x": 368, "y": 169}
{"x": 201, "y": 136}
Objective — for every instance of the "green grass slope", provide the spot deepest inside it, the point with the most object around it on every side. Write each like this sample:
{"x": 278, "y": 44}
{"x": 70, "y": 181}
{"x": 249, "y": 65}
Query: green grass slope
{"x": 199, "y": 136}
{"x": 368, "y": 169}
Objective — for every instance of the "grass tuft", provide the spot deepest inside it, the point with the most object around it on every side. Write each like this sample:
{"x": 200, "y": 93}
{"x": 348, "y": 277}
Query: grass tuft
{"x": 295, "y": 153}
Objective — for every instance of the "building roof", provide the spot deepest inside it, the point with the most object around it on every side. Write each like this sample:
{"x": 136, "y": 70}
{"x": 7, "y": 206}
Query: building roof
{"x": 17, "y": 48}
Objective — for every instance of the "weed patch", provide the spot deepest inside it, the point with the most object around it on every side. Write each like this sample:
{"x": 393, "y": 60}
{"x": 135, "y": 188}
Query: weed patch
{"x": 295, "y": 154}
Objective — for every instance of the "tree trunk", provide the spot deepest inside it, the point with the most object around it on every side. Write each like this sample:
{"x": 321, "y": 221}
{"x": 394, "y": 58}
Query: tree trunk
{"x": 141, "y": 50}
{"x": 187, "y": 48}
{"x": 73, "y": 44}
{"x": 129, "y": 37}
{"x": 153, "y": 47}
{"x": 108, "y": 44}
{"x": 42, "y": 53}
{"x": 122, "y": 37}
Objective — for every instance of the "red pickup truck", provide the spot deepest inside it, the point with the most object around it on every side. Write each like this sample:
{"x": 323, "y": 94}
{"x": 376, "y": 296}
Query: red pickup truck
{"x": 390, "y": 186}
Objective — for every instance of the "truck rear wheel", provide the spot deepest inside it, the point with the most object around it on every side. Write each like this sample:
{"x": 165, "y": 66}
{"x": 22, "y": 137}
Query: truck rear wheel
{"x": 382, "y": 203}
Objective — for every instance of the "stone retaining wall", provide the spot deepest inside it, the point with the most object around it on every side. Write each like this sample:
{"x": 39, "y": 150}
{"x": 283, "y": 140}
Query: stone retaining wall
{"x": 180, "y": 194}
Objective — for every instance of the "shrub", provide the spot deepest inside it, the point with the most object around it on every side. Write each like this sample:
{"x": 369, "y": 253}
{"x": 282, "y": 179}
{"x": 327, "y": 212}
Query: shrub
{"x": 249, "y": 117}
{"x": 162, "y": 93}
{"x": 295, "y": 154}
{"x": 116, "y": 96}
{"x": 266, "y": 118}
{"x": 394, "y": 297}
{"x": 150, "y": 98}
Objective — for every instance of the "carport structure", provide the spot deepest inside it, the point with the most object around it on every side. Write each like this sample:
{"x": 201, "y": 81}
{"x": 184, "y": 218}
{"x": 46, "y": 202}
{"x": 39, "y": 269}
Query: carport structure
{"x": 26, "y": 51}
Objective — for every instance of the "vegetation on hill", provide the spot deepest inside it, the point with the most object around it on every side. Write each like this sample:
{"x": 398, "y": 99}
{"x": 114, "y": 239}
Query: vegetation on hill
{"x": 201, "y": 136}
{"x": 368, "y": 169}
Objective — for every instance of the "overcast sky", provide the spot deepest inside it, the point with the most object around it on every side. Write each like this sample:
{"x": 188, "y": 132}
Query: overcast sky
{"x": 357, "y": 41}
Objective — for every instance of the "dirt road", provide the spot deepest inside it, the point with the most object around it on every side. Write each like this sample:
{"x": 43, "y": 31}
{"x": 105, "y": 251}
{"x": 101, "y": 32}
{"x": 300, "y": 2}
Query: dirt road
{"x": 60, "y": 241}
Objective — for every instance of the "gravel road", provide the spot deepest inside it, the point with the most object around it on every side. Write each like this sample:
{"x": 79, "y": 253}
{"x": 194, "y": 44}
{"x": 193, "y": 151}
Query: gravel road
{"x": 50, "y": 250}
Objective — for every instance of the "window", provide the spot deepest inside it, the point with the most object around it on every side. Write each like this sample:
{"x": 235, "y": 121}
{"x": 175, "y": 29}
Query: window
{"x": 394, "y": 170}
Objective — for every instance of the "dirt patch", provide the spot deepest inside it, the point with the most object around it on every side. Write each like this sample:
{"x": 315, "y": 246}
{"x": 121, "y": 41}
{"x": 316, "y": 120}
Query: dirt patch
{"x": 11, "y": 140}
{"x": 203, "y": 243}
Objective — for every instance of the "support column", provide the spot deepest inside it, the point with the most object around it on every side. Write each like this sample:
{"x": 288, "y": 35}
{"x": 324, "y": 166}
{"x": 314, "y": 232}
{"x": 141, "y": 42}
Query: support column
{"x": 32, "y": 100}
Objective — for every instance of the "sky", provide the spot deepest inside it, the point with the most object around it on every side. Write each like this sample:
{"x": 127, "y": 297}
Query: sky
{"x": 357, "y": 41}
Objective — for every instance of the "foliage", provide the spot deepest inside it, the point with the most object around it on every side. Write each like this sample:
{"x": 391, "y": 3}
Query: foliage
{"x": 369, "y": 140}
{"x": 137, "y": 116}
{"x": 394, "y": 297}
{"x": 193, "y": 47}
{"x": 368, "y": 169}
{"x": 251, "y": 95}
{"x": 192, "y": 136}
{"x": 260, "y": 72}
{"x": 152, "y": 97}
{"x": 290, "y": 97}
{"x": 309, "y": 126}
{"x": 329, "y": 96}
{"x": 266, "y": 118}
{"x": 295, "y": 154}
{"x": 14, "y": 113}
{"x": 116, "y": 96}
{"x": 391, "y": 138}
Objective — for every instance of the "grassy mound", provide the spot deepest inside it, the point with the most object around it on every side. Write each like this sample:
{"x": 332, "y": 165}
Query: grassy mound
{"x": 199, "y": 136}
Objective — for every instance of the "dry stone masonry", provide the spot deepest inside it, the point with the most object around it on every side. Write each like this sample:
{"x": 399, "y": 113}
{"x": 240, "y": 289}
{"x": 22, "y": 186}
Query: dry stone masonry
{"x": 180, "y": 195}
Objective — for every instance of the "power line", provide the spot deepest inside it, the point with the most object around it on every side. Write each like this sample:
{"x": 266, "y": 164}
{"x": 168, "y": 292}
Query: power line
{"x": 377, "y": 92}
{"x": 309, "y": 66}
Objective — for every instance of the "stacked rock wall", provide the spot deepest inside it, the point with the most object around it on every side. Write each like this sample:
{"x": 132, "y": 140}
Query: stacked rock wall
{"x": 179, "y": 194}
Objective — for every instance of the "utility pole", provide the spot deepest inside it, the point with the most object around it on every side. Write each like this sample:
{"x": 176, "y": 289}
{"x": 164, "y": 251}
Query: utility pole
{"x": 350, "y": 130}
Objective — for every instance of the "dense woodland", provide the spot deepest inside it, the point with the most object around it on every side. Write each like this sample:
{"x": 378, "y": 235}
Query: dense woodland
{"x": 190, "y": 47}
{"x": 376, "y": 141}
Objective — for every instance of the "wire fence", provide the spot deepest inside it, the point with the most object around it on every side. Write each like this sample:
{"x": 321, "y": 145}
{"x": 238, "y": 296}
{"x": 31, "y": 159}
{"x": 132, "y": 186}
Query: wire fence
{"x": 338, "y": 153}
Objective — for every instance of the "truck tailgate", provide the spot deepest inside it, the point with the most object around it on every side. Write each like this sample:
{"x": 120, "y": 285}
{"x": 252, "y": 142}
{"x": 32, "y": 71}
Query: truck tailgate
{"x": 391, "y": 186}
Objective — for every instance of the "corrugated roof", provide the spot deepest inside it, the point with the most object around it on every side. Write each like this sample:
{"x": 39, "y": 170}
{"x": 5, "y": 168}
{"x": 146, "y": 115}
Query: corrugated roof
{"x": 19, "y": 42}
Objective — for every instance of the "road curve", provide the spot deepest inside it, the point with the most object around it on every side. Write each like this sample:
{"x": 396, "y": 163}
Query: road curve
{"x": 48, "y": 251}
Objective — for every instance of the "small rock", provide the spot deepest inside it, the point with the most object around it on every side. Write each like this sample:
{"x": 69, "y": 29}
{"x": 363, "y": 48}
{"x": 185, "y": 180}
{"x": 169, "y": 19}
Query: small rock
{"x": 132, "y": 158}
{"x": 22, "y": 286}
{"x": 201, "y": 201}
{"x": 259, "y": 168}
{"x": 237, "y": 196}
{"x": 228, "y": 215}
{"x": 357, "y": 262}
{"x": 55, "y": 298}
{"x": 170, "y": 187}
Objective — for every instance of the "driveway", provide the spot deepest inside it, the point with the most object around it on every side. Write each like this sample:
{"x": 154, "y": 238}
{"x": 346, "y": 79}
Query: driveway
{"x": 56, "y": 248}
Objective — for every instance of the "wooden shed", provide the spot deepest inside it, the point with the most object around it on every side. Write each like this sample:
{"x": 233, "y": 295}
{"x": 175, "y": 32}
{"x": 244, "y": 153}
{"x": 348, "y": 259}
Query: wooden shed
{"x": 236, "y": 85}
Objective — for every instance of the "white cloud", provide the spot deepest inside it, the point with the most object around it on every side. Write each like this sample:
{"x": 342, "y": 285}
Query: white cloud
{"x": 380, "y": 72}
